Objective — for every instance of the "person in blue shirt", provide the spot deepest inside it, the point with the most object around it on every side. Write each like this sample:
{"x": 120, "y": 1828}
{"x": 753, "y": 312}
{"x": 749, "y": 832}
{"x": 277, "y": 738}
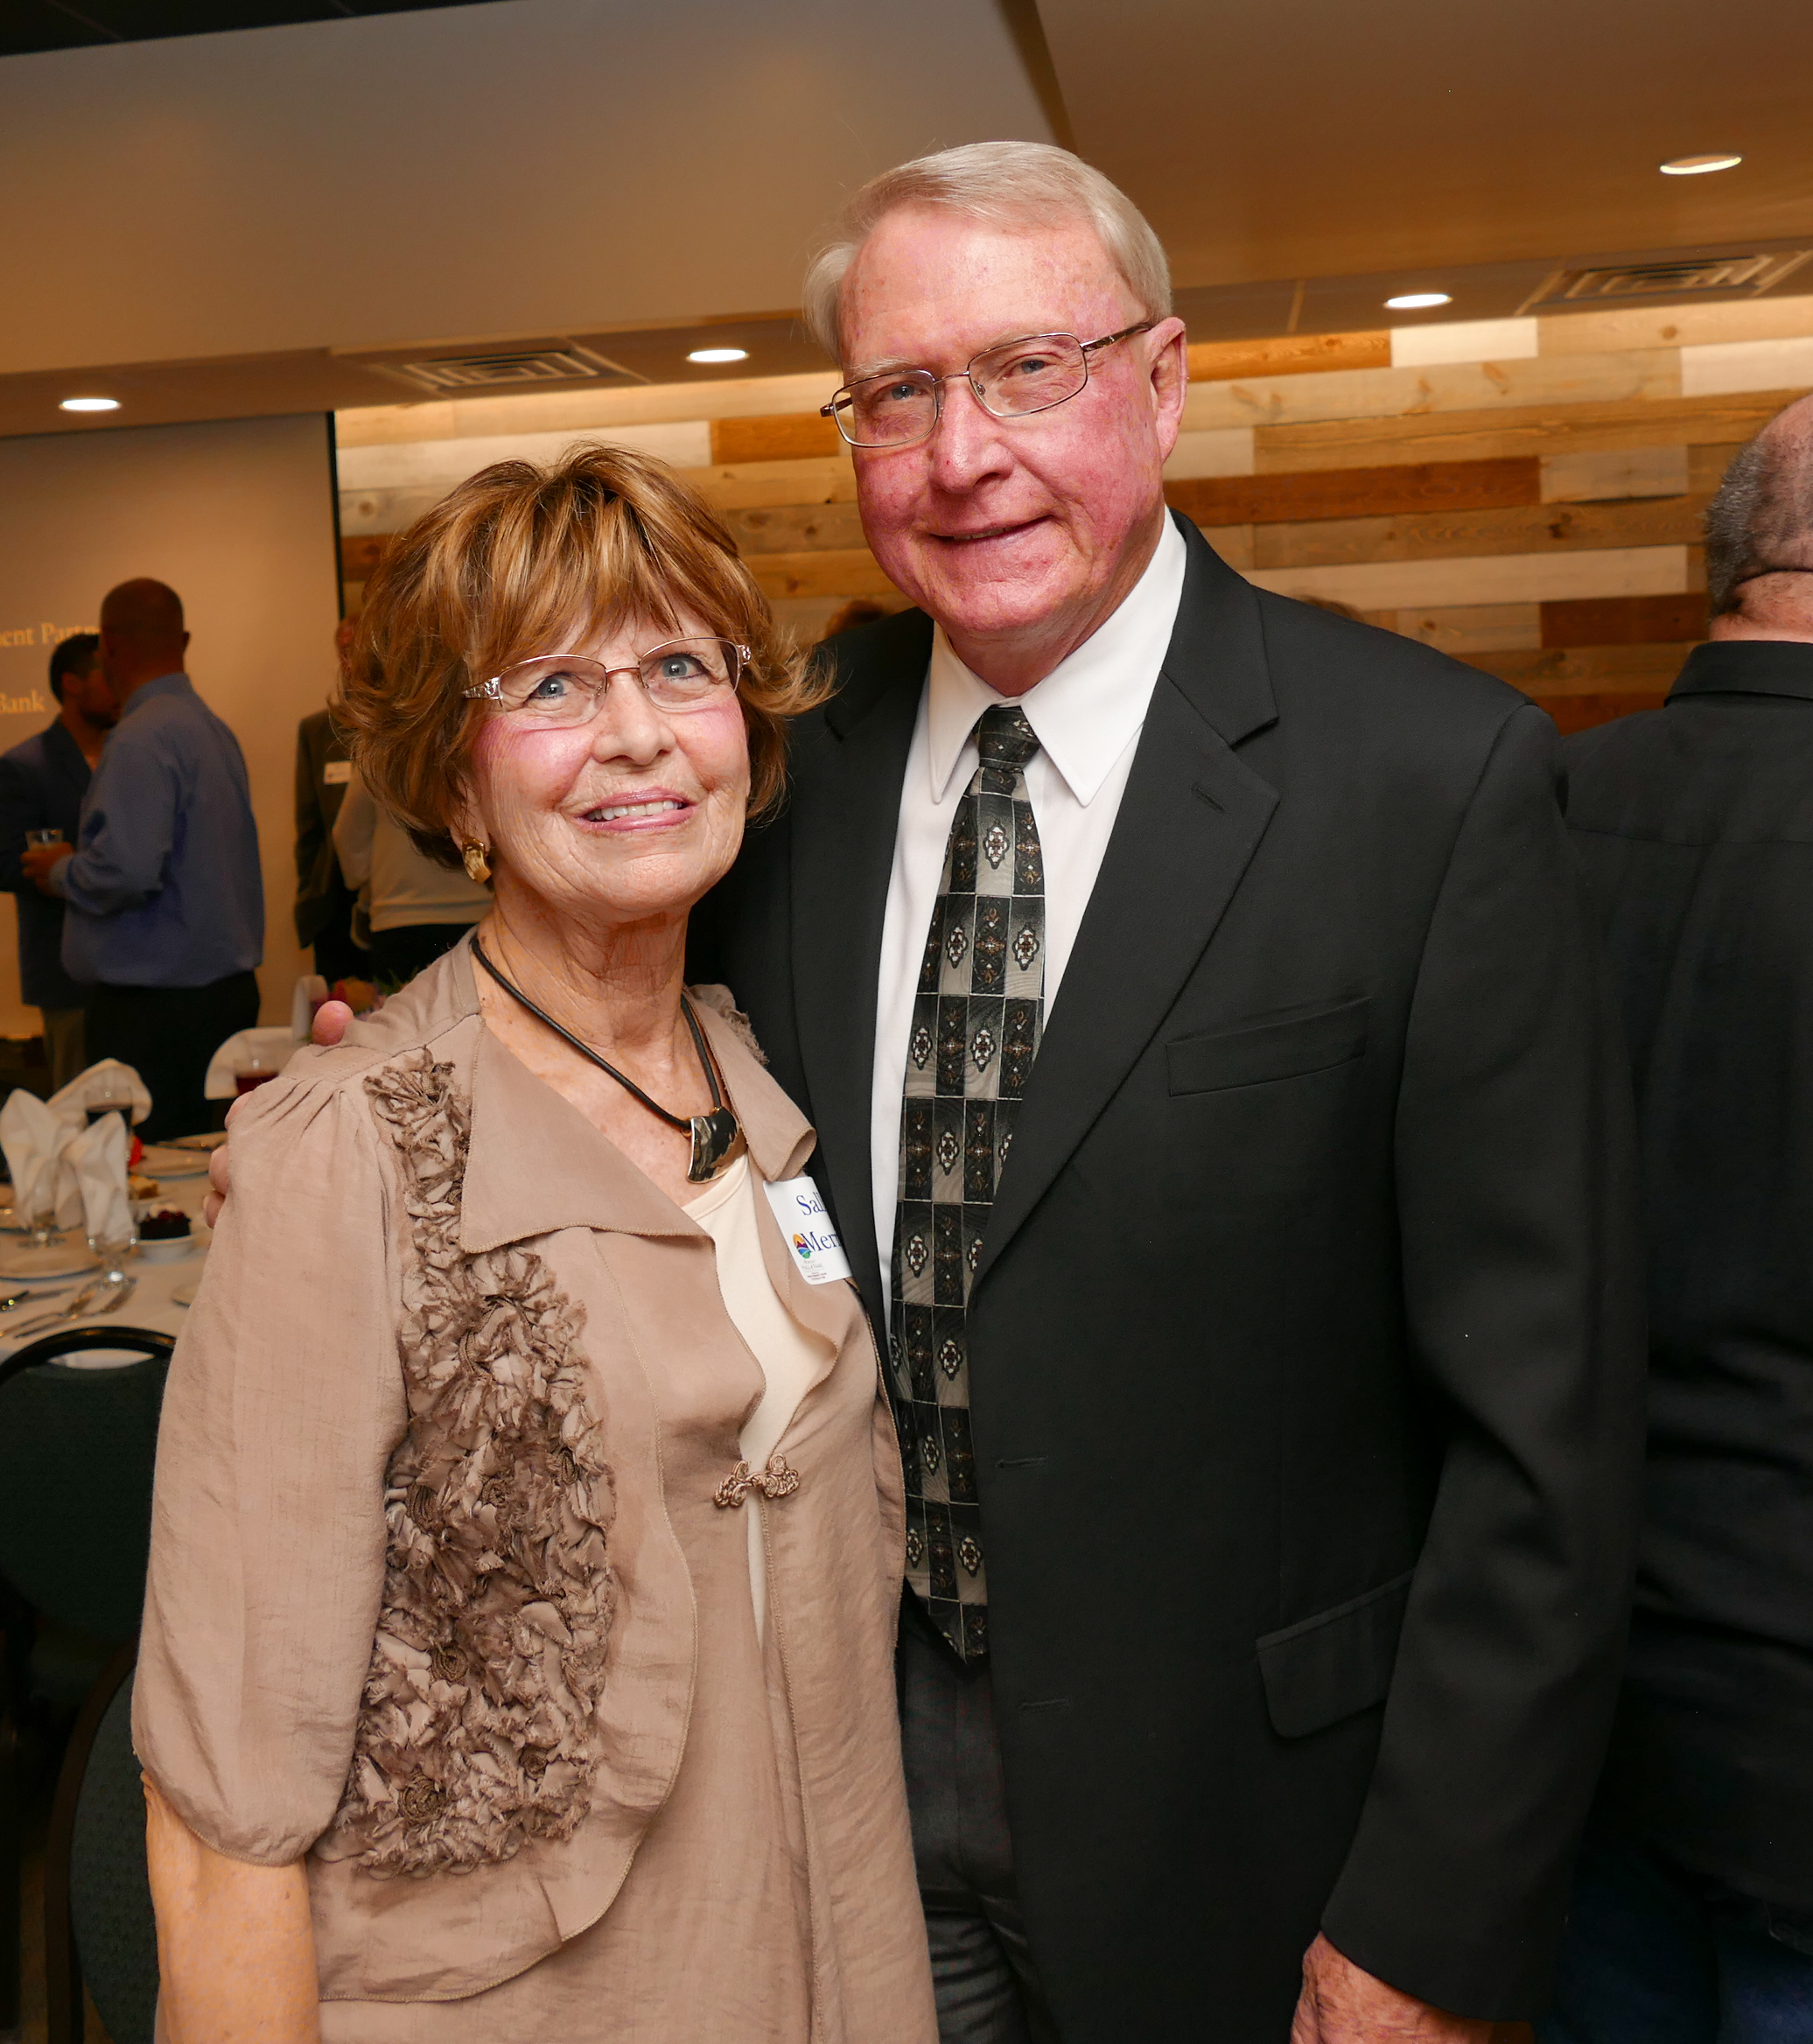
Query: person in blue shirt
{"x": 42, "y": 783}
{"x": 164, "y": 890}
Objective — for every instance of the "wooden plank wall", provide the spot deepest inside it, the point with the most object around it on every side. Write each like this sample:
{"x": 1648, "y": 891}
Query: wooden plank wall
{"x": 1526, "y": 494}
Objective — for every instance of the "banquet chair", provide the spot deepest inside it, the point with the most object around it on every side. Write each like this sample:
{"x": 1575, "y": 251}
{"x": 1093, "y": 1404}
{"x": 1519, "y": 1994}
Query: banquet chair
{"x": 99, "y": 1931}
{"x": 77, "y": 1448}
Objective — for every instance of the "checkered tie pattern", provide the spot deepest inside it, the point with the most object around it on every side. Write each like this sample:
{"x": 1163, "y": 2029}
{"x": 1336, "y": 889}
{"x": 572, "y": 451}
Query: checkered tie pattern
{"x": 977, "y": 1015}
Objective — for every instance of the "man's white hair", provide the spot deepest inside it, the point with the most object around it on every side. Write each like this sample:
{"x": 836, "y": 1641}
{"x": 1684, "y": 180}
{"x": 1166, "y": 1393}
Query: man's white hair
{"x": 1020, "y": 182}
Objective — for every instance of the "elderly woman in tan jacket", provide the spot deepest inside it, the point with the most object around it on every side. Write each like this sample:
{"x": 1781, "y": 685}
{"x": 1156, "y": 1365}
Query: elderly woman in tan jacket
{"x": 517, "y": 1657}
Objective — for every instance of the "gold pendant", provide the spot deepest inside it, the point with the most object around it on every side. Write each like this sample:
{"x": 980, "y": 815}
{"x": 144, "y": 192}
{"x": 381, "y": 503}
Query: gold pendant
{"x": 713, "y": 1135}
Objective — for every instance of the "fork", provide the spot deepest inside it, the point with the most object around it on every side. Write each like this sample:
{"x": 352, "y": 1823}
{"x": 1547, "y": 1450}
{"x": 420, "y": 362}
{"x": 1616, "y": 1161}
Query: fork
{"x": 78, "y": 1308}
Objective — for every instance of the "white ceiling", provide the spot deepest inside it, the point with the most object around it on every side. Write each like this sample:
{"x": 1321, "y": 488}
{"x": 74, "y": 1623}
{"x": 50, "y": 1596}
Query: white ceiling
{"x": 1283, "y": 138}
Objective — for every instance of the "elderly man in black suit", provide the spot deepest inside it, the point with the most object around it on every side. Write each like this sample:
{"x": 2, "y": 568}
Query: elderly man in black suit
{"x": 1263, "y": 1299}
{"x": 1693, "y": 1914}
{"x": 1221, "y": 1100}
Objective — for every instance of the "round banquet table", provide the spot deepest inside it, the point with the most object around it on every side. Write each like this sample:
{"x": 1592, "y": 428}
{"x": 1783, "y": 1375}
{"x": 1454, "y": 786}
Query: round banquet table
{"x": 152, "y": 1305}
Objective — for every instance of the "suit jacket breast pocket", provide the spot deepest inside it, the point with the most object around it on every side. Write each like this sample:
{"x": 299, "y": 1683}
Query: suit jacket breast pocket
{"x": 1285, "y": 1049}
{"x": 1324, "y": 1668}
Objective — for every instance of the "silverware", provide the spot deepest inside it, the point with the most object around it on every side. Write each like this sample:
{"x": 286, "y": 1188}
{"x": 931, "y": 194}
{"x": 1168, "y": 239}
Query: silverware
{"x": 77, "y": 1309}
{"x": 18, "y": 1299}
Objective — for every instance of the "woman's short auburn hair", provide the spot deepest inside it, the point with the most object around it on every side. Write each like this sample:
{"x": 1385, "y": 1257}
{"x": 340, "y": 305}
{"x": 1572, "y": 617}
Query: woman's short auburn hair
{"x": 518, "y": 561}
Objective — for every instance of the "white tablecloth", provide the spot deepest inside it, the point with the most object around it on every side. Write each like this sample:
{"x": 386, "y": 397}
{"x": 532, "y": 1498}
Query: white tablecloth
{"x": 151, "y": 1306}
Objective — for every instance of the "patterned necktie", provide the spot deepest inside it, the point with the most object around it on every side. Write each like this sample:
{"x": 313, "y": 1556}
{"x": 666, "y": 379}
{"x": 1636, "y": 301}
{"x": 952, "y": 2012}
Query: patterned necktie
{"x": 977, "y": 1015}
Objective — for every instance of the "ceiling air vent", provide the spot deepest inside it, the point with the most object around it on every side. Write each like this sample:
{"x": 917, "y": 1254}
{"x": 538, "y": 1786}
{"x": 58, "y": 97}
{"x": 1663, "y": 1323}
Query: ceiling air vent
{"x": 1750, "y": 274}
{"x": 508, "y": 369}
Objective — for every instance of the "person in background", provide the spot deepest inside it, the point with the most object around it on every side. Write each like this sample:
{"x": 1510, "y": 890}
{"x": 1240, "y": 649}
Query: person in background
{"x": 1692, "y": 1916}
{"x": 42, "y": 783}
{"x": 323, "y": 902}
{"x": 163, "y": 892}
{"x": 417, "y": 907}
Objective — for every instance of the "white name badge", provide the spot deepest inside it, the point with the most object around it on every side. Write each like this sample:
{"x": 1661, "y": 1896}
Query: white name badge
{"x": 807, "y": 1231}
{"x": 336, "y": 773}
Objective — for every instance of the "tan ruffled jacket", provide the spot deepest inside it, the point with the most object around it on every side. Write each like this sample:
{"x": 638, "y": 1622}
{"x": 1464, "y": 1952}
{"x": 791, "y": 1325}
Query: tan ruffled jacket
{"x": 442, "y": 1596}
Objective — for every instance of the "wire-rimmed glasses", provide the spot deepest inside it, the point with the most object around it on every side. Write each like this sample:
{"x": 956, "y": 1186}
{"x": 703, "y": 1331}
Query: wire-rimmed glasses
{"x": 556, "y": 691}
{"x": 1012, "y": 380}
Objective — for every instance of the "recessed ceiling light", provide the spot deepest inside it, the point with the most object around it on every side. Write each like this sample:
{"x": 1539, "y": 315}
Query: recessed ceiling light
{"x": 1697, "y": 166}
{"x": 90, "y": 404}
{"x": 718, "y": 355}
{"x": 1417, "y": 301}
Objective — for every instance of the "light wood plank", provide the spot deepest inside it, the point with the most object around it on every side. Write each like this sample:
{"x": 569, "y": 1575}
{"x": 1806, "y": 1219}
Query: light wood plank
{"x": 1224, "y": 450}
{"x": 1355, "y": 493}
{"x": 1607, "y": 669}
{"x": 752, "y": 485}
{"x": 1627, "y": 472}
{"x": 1376, "y": 585}
{"x": 1617, "y": 328}
{"x": 580, "y": 409}
{"x": 1454, "y": 535}
{"x": 1463, "y": 628}
{"x": 849, "y": 572}
{"x": 1723, "y": 366}
{"x": 1288, "y": 354}
{"x": 1441, "y": 386}
{"x": 796, "y": 528}
{"x": 1485, "y": 436}
{"x": 1463, "y": 341}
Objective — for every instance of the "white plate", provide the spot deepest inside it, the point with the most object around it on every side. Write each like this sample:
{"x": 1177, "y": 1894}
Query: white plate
{"x": 64, "y": 1255}
{"x": 158, "y": 1161}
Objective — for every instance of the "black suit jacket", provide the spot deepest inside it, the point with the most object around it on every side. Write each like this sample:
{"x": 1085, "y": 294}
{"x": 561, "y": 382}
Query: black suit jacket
{"x": 42, "y": 783}
{"x": 1306, "y": 1349}
{"x": 1696, "y": 824}
{"x": 319, "y": 888}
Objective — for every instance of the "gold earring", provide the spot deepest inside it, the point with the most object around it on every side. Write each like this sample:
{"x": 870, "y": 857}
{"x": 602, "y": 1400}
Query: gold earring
{"x": 478, "y": 860}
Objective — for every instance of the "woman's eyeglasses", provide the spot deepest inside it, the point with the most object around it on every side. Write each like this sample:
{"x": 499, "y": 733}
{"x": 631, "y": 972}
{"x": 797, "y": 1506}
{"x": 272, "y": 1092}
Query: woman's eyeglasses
{"x": 1010, "y": 381}
{"x": 559, "y": 690}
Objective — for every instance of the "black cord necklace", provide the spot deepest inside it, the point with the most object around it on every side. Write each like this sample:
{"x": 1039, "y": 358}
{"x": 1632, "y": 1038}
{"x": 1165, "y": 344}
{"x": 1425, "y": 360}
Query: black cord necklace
{"x": 712, "y": 1134}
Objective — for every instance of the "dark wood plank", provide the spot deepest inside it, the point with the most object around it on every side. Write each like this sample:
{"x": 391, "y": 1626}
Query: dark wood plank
{"x": 1573, "y": 713}
{"x": 1359, "y": 492}
{"x": 1625, "y": 620}
{"x": 360, "y": 553}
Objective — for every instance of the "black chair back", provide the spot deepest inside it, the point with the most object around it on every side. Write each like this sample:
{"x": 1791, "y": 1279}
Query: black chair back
{"x": 77, "y": 1451}
{"x": 99, "y": 1929}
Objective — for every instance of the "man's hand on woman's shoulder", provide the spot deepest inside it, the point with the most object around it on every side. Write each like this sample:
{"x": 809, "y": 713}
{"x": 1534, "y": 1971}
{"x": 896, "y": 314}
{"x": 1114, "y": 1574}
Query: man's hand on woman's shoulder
{"x": 332, "y": 1020}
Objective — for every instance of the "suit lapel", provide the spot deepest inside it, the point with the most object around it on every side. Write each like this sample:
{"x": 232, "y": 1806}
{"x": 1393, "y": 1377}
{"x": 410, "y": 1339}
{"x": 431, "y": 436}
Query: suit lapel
{"x": 1191, "y": 819}
{"x": 845, "y": 815}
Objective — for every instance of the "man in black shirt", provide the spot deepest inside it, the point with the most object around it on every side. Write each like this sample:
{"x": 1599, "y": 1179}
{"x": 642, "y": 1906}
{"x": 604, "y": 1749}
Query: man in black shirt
{"x": 1693, "y": 1914}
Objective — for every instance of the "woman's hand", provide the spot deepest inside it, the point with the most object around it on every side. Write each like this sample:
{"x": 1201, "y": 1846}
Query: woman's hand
{"x": 235, "y": 1945}
{"x": 331, "y": 1020}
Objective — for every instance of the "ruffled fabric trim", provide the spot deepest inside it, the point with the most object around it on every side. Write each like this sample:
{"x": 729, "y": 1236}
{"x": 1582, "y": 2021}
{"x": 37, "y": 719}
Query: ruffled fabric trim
{"x": 478, "y": 1730}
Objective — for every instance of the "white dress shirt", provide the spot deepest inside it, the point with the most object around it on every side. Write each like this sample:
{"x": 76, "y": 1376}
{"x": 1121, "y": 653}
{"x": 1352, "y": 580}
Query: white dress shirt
{"x": 1088, "y": 713}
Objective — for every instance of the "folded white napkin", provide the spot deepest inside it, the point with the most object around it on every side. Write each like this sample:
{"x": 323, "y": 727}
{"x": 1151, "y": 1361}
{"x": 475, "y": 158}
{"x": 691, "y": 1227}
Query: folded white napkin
{"x": 110, "y": 1080}
{"x": 98, "y": 1156}
{"x": 310, "y": 988}
{"x": 35, "y": 1141}
{"x": 275, "y": 1046}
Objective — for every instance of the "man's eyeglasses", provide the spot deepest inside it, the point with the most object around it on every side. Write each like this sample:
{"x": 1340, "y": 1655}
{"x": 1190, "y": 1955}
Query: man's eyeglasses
{"x": 556, "y": 691}
{"x": 1011, "y": 382}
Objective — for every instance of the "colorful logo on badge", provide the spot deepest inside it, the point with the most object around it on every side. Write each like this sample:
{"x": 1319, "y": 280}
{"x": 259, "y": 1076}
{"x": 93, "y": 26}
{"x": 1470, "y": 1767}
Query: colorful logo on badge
{"x": 802, "y": 1249}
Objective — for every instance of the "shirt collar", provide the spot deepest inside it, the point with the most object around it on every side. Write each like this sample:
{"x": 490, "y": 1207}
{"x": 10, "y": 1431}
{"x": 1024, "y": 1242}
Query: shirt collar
{"x": 176, "y": 684}
{"x": 1748, "y": 667}
{"x": 1090, "y": 706}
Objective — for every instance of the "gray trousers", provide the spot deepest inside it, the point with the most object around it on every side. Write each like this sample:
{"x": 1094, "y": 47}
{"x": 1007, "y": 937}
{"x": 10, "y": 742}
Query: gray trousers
{"x": 982, "y": 1971}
